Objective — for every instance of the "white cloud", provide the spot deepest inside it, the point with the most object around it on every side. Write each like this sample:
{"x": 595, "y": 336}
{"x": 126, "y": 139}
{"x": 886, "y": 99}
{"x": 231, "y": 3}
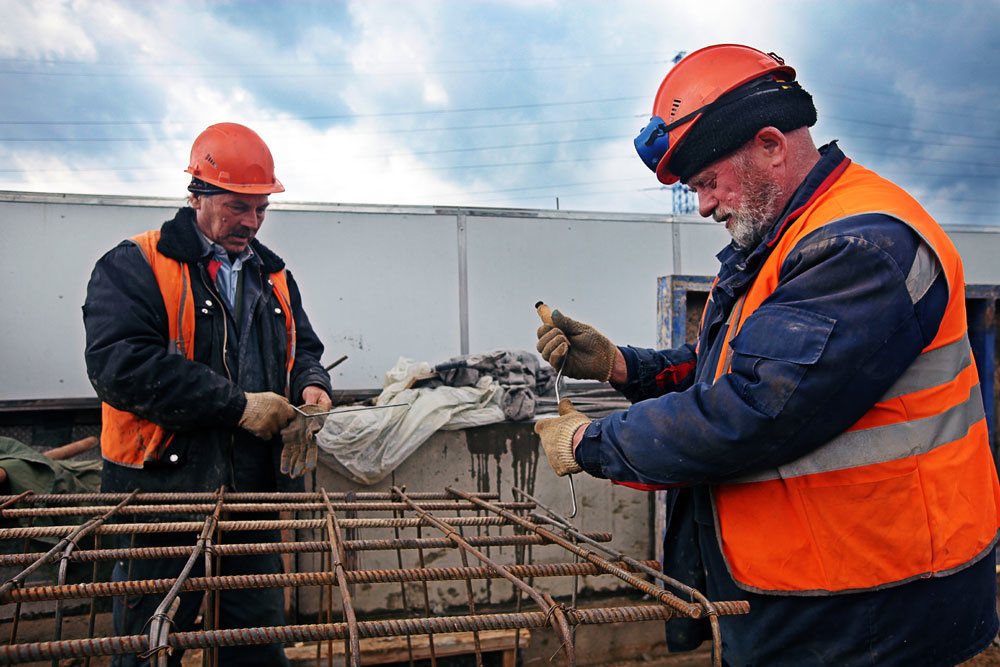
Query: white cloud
{"x": 43, "y": 29}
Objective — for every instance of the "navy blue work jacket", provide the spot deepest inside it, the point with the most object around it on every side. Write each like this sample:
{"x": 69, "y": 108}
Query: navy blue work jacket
{"x": 687, "y": 432}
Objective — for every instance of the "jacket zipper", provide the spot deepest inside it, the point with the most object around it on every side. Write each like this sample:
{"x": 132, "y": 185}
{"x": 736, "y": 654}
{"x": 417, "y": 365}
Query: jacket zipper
{"x": 225, "y": 364}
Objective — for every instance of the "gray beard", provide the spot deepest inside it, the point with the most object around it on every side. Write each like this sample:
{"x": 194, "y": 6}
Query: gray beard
{"x": 752, "y": 220}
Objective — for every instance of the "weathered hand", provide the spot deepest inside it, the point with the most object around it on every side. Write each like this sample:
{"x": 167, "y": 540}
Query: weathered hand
{"x": 317, "y": 395}
{"x": 556, "y": 435}
{"x": 266, "y": 413}
{"x": 589, "y": 355}
{"x": 299, "y": 452}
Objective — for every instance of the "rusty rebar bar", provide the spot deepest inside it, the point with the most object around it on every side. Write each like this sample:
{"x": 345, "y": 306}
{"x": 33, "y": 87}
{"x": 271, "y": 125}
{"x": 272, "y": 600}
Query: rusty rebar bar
{"x": 160, "y": 621}
{"x": 296, "y": 579}
{"x": 228, "y": 526}
{"x": 77, "y": 648}
{"x": 255, "y": 548}
{"x": 563, "y": 524}
{"x": 667, "y": 598}
{"x": 449, "y": 532}
{"x": 84, "y": 510}
{"x": 76, "y": 533}
{"x": 230, "y": 496}
{"x": 337, "y": 564}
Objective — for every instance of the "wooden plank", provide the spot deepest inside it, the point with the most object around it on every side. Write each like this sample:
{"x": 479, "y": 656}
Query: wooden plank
{"x": 381, "y": 650}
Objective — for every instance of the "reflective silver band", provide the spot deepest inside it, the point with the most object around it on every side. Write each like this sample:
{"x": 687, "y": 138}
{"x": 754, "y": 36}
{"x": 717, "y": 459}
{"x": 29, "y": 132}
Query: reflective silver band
{"x": 933, "y": 368}
{"x": 883, "y": 443}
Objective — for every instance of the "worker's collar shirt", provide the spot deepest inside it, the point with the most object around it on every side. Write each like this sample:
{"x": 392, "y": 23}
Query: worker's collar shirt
{"x": 228, "y": 271}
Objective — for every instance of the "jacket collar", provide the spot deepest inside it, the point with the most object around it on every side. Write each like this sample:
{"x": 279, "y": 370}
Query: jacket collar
{"x": 180, "y": 240}
{"x": 740, "y": 266}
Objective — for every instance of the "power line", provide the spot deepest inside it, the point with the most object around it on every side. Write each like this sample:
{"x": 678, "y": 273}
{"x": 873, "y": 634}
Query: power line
{"x": 383, "y": 114}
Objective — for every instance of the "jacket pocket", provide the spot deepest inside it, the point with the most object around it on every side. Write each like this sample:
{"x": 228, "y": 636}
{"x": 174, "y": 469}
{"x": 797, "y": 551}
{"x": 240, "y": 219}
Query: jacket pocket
{"x": 773, "y": 350}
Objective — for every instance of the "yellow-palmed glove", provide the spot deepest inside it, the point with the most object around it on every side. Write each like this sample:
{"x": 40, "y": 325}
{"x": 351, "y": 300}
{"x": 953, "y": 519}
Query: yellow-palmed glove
{"x": 266, "y": 413}
{"x": 588, "y": 354}
{"x": 556, "y": 435}
{"x": 299, "y": 452}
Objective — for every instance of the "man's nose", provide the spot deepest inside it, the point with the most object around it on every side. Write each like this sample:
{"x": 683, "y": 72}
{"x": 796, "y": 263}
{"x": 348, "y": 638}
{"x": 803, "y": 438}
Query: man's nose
{"x": 706, "y": 204}
{"x": 252, "y": 220}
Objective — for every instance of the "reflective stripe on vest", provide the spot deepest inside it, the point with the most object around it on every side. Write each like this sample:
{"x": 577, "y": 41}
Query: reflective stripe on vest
{"x": 910, "y": 490}
{"x": 129, "y": 440}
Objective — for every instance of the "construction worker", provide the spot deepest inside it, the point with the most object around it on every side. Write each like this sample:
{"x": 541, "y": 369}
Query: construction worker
{"x": 823, "y": 444}
{"x": 196, "y": 342}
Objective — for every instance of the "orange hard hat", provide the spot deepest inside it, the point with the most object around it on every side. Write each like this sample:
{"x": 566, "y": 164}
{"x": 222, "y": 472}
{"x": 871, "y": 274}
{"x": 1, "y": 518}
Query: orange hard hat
{"x": 233, "y": 157}
{"x": 690, "y": 88}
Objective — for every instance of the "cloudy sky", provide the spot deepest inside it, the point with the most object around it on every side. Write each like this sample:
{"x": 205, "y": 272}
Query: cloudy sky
{"x": 475, "y": 103}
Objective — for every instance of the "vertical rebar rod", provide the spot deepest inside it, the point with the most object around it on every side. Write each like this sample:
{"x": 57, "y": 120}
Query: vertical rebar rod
{"x": 557, "y": 620}
{"x": 472, "y": 602}
{"x": 695, "y": 594}
{"x": 61, "y": 581}
{"x": 17, "y": 608}
{"x": 427, "y": 602}
{"x": 402, "y": 586}
{"x": 158, "y": 629}
{"x": 336, "y": 557}
{"x": 93, "y": 601}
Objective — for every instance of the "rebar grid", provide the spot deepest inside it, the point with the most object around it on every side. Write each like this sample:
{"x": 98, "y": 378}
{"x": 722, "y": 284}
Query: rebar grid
{"x": 321, "y": 532}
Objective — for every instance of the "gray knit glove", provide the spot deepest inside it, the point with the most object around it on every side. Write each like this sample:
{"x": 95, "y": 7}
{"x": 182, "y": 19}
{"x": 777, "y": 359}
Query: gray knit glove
{"x": 266, "y": 413}
{"x": 556, "y": 435}
{"x": 588, "y": 354}
{"x": 299, "y": 452}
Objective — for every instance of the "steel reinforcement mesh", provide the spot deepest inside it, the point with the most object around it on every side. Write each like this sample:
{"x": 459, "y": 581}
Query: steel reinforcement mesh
{"x": 58, "y": 550}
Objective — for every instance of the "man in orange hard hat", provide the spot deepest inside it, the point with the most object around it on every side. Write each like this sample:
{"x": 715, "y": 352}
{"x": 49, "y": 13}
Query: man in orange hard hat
{"x": 823, "y": 444}
{"x": 197, "y": 344}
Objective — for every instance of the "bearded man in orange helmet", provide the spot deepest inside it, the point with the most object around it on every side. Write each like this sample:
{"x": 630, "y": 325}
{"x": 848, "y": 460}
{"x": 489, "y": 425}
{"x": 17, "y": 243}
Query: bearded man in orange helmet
{"x": 823, "y": 445}
{"x": 197, "y": 344}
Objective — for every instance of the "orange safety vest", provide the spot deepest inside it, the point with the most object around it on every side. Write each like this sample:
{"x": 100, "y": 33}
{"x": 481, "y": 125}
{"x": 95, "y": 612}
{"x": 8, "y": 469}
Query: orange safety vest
{"x": 129, "y": 440}
{"x": 909, "y": 491}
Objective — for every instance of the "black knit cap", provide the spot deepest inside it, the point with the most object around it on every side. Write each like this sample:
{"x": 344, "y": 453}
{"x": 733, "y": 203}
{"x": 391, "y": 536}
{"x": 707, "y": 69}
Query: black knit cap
{"x": 735, "y": 118}
{"x": 200, "y": 187}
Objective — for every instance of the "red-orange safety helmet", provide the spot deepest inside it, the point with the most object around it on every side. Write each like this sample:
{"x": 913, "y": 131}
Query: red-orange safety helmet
{"x": 233, "y": 157}
{"x": 690, "y": 88}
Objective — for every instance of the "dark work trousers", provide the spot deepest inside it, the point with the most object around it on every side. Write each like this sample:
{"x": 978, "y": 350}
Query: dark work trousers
{"x": 237, "y": 608}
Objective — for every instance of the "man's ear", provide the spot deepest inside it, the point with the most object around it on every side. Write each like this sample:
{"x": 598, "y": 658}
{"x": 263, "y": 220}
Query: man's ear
{"x": 195, "y": 201}
{"x": 771, "y": 144}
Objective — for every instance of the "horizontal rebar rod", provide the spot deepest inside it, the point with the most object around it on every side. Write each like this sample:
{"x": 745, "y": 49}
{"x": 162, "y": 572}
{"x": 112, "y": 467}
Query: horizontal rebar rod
{"x": 249, "y": 497}
{"x": 78, "y": 648}
{"x": 366, "y": 506}
{"x": 253, "y": 548}
{"x": 292, "y": 579}
{"x": 226, "y": 526}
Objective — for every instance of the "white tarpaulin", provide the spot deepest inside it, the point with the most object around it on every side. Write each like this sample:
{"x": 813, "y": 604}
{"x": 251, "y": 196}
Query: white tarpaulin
{"x": 369, "y": 444}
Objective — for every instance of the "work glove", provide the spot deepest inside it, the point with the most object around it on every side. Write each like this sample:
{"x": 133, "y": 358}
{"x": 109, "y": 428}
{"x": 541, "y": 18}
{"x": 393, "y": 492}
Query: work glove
{"x": 299, "y": 451}
{"x": 588, "y": 354}
{"x": 556, "y": 435}
{"x": 266, "y": 413}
